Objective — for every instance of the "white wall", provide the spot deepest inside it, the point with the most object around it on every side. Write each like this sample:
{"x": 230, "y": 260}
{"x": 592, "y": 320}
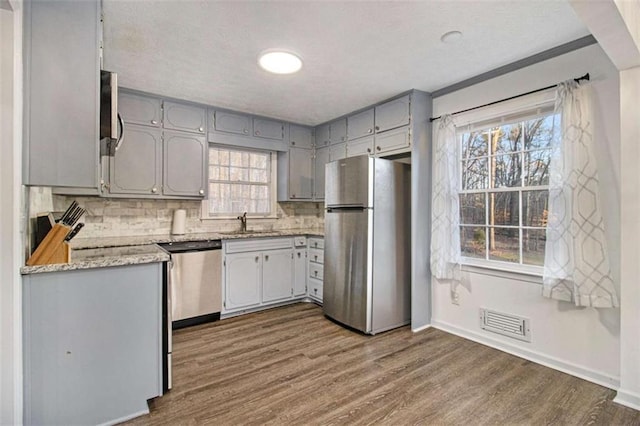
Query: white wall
{"x": 583, "y": 342}
{"x": 10, "y": 212}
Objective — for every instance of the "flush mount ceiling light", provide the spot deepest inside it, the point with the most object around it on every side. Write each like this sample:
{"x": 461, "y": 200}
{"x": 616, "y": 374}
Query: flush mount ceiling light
{"x": 451, "y": 37}
{"x": 279, "y": 62}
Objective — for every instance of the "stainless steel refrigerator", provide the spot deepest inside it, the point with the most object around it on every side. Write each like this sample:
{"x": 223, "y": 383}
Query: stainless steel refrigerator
{"x": 367, "y": 253}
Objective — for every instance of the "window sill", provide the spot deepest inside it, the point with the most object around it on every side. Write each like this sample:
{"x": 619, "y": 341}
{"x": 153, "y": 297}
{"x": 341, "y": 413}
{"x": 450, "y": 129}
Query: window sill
{"x": 515, "y": 272}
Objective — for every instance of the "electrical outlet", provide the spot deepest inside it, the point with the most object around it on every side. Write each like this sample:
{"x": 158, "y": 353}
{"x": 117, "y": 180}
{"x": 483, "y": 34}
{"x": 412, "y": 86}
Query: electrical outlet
{"x": 455, "y": 297}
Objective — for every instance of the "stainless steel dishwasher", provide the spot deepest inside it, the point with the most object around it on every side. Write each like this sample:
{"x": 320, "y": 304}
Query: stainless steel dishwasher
{"x": 194, "y": 282}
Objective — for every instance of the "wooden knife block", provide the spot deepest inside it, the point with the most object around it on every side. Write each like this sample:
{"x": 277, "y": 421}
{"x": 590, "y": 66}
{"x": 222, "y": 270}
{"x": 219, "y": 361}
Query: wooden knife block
{"x": 53, "y": 249}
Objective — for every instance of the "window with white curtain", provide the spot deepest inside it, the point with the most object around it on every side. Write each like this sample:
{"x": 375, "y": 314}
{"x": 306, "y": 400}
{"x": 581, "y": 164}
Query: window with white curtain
{"x": 240, "y": 180}
{"x": 505, "y": 189}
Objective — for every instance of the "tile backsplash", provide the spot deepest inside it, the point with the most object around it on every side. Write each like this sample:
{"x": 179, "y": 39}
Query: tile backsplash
{"x": 132, "y": 217}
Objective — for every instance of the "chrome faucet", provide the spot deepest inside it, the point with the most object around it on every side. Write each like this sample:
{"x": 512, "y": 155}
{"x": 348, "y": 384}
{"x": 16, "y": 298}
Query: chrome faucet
{"x": 243, "y": 222}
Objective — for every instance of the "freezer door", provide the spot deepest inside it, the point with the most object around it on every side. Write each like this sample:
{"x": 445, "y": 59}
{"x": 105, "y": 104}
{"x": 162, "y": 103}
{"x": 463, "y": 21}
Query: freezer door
{"x": 347, "y": 276}
{"x": 348, "y": 182}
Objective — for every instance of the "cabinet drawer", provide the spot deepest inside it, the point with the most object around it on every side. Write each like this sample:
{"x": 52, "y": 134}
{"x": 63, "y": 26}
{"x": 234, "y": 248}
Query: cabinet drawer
{"x": 316, "y": 256}
{"x": 316, "y": 243}
{"x": 258, "y": 245}
{"x": 315, "y": 288}
{"x": 189, "y": 118}
{"x": 299, "y": 241}
{"x": 316, "y": 271}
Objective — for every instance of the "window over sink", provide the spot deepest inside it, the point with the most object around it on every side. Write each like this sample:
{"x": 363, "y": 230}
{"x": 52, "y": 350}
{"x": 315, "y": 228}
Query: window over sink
{"x": 240, "y": 180}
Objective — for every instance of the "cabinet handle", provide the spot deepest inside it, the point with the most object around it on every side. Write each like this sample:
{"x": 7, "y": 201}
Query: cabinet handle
{"x": 315, "y": 257}
{"x": 315, "y": 273}
{"x": 266, "y": 257}
{"x": 257, "y": 133}
{"x": 154, "y": 189}
{"x": 377, "y": 128}
{"x": 257, "y": 258}
{"x": 293, "y": 143}
{"x": 370, "y": 131}
{"x": 154, "y": 121}
{"x": 298, "y": 255}
{"x": 245, "y": 131}
{"x": 344, "y": 138}
{"x": 369, "y": 150}
{"x": 293, "y": 195}
{"x": 378, "y": 148}
{"x": 200, "y": 129}
{"x": 201, "y": 192}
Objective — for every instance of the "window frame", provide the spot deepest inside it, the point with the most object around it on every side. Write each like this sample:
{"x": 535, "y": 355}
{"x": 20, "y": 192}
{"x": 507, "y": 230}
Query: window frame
{"x": 273, "y": 186}
{"x": 500, "y": 116}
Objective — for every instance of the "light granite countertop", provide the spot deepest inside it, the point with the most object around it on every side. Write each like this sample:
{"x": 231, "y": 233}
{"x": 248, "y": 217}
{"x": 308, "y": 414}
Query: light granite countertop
{"x": 87, "y": 253}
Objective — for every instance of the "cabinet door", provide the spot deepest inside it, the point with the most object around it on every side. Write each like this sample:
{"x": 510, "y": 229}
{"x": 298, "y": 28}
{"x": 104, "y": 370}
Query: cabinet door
{"x": 300, "y": 173}
{"x": 277, "y": 275}
{"x": 268, "y": 129}
{"x": 232, "y": 123}
{"x": 362, "y": 146}
{"x": 185, "y": 164}
{"x": 243, "y": 279}
{"x": 189, "y": 118}
{"x": 360, "y": 125}
{"x": 338, "y": 131}
{"x": 398, "y": 139}
{"x": 322, "y": 158}
{"x": 62, "y": 93}
{"x": 300, "y": 137}
{"x": 337, "y": 152}
{"x": 140, "y": 109}
{"x": 137, "y": 164}
{"x": 299, "y": 272}
{"x": 395, "y": 113}
{"x": 322, "y": 135}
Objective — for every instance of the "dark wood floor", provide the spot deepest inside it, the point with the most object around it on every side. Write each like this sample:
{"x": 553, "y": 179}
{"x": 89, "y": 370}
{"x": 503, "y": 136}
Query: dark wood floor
{"x": 290, "y": 365}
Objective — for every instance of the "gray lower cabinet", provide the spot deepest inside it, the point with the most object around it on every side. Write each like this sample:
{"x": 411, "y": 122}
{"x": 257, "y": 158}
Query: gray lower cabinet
{"x": 243, "y": 280}
{"x": 185, "y": 164}
{"x": 137, "y": 165}
{"x": 295, "y": 174}
{"x": 62, "y": 94}
{"x": 92, "y": 344}
{"x": 315, "y": 268}
{"x": 320, "y": 160}
{"x": 277, "y": 275}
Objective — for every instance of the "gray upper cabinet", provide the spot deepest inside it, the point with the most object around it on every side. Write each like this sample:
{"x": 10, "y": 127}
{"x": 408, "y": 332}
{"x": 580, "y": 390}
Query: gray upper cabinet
{"x": 322, "y": 135}
{"x": 230, "y": 122}
{"x": 62, "y": 94}
{"x": 337, "y": 151}
{"x": 393, "y": 114}
{"x": 300, "y": 137}
{"x": 300, "y": 173}
{"x": 185, "y": 157}
{"x": 187, "y": 118}
{"x": 393, "y": 140}
{"x": 360, "y": 125}
{"x": 268, "y": 129}
{"x": 140, "y": 109}
{"x": 362, "y": 146}
{"x": 136, "y": 167}
{"x": 321, "y": 159}
{"x": 338, "y": 131}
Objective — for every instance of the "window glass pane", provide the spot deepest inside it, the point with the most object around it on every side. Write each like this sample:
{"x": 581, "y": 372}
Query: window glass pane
{"x": 223, "y": 157}
{"x": 213, "y": 156}
{"x": 475, "y": 174}
{"x": 506, "y": 139}
{"x": 214, "y": 172}
{"x": 504, "y": 208}
{"x": 472, "y": 241}
{"x": 504, "y": 244}
{"x": 533, "y": 241}
{"x": 537, "y": 167}
{"x": 474, "y": 144}
{"x": 539, "y": 132}
{"x": 535, "y": 206}
{"x": 258, "y": 175}
{"x": 224, "y": 173}
{"x": 472, "y": 209}
{"x": 506, "y": 170}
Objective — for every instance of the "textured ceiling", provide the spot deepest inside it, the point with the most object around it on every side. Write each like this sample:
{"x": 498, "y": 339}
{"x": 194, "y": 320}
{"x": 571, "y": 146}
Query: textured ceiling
{"x": 355, "y": 53}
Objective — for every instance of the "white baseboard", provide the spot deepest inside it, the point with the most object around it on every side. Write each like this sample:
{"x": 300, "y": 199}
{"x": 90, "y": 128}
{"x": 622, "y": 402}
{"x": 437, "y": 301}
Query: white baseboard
{"x": 598, "y": 377}
{"x": 421, "y": 328}
{"x": 628, "y": 399}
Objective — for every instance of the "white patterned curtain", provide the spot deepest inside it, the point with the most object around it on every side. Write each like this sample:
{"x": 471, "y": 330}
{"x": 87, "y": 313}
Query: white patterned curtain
{"x": 445, "y": 216}
{"x": 576, "y": 264}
